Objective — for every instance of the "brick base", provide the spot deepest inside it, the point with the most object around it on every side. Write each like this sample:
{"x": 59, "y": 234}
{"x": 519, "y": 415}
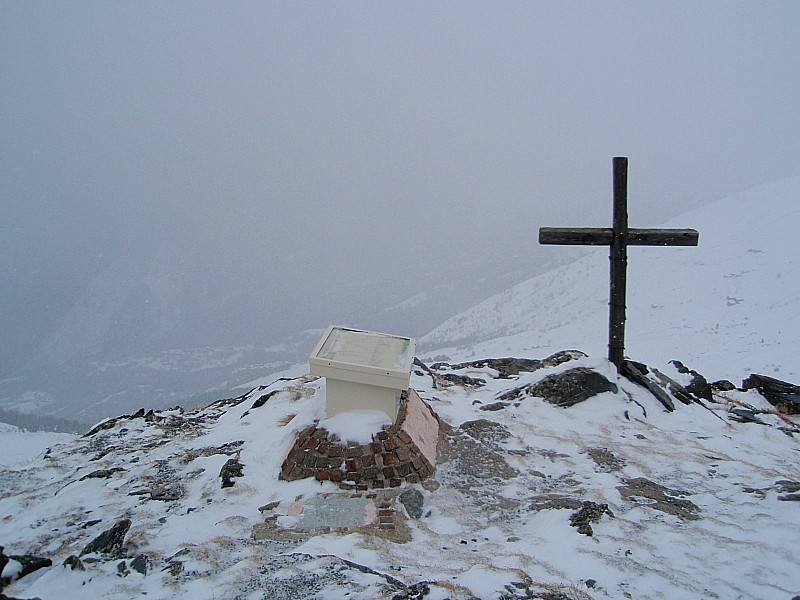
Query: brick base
{"x": 404, "y": 451}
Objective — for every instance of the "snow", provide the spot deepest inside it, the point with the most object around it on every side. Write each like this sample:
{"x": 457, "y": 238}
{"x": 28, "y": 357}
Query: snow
{"x": 356, "y": 425}
{"x": 496, "y": 515}
{"x": 18, "y": 447}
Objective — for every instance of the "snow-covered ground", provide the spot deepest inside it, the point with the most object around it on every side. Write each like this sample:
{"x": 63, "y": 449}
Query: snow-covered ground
{"x": 18, "y": 447}
{"x": 689, "y": 504}
{"x": 695, "y": 503}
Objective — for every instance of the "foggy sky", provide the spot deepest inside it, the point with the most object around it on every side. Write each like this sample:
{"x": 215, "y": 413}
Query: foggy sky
{"x": 316, "y": 142}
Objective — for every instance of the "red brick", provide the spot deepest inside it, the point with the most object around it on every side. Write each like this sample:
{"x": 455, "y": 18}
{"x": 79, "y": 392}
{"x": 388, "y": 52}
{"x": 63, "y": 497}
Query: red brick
{"x": 323, "y": 475}
{"x": 368, "y": 460}
{"x": 389, "y": 472}
{"x": 390, "y": 443}
{"x": 382, "y": 435}
{"x": 311, "y": 443}
{"x": 336, "y": 451}
{"x": 386, "y": 512}
{"x": 395, "y": 482}
{"x": 336, "y": 475}
{"x": 376, "y": 447}
{"x": 406, "y": 439}
{"x": 389, "y": 459}
{"x": 323, "y": 447}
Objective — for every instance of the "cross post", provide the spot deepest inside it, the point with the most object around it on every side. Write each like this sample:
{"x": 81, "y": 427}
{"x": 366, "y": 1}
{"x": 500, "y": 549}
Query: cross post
{"x": 618, "y": 237}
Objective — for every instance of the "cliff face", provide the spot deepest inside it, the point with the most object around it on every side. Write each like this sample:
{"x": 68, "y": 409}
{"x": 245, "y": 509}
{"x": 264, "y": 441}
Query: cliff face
{"x": 553, "y": 476}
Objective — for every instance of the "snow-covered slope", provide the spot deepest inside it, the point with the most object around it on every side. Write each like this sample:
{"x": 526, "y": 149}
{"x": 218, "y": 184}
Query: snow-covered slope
{"x": 609, "y": 498}
{"x": 19, "y": 447}
{"x": 728, "y": 307}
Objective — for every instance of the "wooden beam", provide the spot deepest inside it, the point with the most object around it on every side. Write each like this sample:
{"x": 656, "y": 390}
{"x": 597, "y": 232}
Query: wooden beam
{"x": 601, "y": 236}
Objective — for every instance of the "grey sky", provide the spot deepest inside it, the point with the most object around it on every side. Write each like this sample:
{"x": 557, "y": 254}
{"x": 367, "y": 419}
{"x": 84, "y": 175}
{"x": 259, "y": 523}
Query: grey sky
{"x": 305, "y": 140}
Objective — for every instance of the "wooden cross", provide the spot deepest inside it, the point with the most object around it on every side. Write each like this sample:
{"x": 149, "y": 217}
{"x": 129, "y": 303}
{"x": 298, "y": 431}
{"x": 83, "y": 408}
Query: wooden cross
{"x": 619, "y": 237}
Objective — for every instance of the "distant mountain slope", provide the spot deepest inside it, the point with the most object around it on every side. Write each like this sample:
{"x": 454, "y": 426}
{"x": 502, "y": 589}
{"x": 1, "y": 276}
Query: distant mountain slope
{"x": 727, "y": 307}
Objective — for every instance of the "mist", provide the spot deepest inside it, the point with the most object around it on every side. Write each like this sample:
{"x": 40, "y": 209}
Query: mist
{"x": 188, "y": 175}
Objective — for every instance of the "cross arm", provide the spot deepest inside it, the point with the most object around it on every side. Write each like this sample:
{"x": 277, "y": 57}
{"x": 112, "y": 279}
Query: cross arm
{"x": 601, "y": 236}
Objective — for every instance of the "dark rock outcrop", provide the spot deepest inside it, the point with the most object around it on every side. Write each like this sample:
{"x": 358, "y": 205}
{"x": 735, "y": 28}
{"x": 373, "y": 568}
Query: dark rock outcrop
{"x": 74, "y": 563}
{"x": 782, "y": 395}
{"x": 140, "y": 564}
{"x": 698, "y": 386}
{"x": 571, "y": 387}
{"x": 28, "y": 564}
{"x": 637, "y": 373}
{"x": 232, "y": 468}
{"x": 110, "y": 541}
{"x": 102, "y": 473}
{"x": 589, "y": 513}
{"x": 723, "y": 385}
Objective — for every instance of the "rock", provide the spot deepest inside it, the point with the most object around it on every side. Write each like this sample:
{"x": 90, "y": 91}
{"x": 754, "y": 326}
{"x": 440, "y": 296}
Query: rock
{"x": 505, "y": 367}
{"x": 3, "y": 562}
{"x": 494, "y": 406}
{"x": 785, "y": 485}
{"x": 167, "y": 493}
{"x": 571, "y": 387}
{"x": 723, "y": 385}
{"x": 590, "y": 512}
{"x": 28, "y": 564}
{"x": 554, "y": 502}
{"x": 637, "y": 373}
{"x": 664, "y": 498}
{"x": 413, "y": 500}
{"x": 140, "y": 564}
{"x": 605, "y": 460}
{"x": 232, "y": 468}
{"x": 790, "y": 497}
{"x": 744, "y": 415}
{"x": 698, "y": 386}
{"x": 74, "y": 563}
{"x": 508, "y": 368}
{"x": 101, "y": 473}
{"x": 449, "y": 379}
{"x": 782, "y": 395}
{"x": 110, "y": 541}
{"x": 486, "y": 431}
{"x": 91, "y": 523}
{"x": 262, "y": 400}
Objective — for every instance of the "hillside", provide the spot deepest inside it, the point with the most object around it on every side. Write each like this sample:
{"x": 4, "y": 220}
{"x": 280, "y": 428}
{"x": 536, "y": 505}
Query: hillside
{"x": 728, "y": 307}
{"x": 609, "y": 497}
